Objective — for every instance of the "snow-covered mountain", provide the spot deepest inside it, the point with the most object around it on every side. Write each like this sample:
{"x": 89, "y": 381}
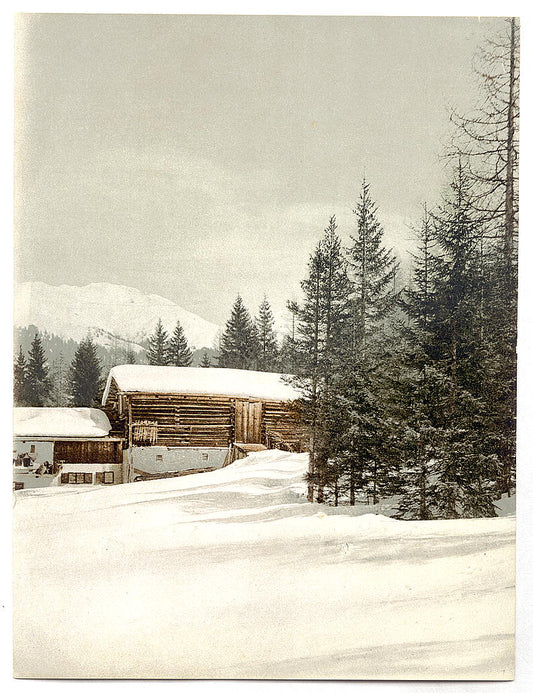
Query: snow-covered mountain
{"x": 113, "y": 315}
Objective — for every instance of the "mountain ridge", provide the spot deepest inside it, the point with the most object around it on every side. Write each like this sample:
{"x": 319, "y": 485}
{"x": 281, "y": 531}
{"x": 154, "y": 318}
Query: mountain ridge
{"x": 108, "y": 312}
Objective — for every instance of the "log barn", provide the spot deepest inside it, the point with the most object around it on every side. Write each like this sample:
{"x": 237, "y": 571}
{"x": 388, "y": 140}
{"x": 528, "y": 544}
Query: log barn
{"x": 176, "y": 419}
{"x": 63, "y": 445}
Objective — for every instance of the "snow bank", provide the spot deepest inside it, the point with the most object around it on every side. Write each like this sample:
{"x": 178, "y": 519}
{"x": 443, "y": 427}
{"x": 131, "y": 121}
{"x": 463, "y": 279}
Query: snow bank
{"x": 205, "y": 381}
{"x": 232, "y": 574}
{"x": 60, "y": 422}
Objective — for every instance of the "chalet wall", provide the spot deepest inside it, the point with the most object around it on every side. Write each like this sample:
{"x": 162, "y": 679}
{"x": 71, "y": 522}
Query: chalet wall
{"x": 195, "y": 421}
{"x": 88, "y": 452}
{"x": 178, "y": 459}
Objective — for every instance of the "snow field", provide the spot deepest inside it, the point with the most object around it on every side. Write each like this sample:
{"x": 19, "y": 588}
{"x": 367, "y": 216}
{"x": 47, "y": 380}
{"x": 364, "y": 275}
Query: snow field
{"x": 232, "y": 574}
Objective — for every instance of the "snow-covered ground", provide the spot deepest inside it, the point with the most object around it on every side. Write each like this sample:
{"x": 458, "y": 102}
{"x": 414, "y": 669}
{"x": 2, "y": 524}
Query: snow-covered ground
{"x": 232, "y": 574}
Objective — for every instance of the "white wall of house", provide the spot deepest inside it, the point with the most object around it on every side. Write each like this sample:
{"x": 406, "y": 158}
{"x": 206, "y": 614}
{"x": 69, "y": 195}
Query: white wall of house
{"x": 43, "y": 450}
{"x": 157, "y": 459}
{"x": 90, "y": 469}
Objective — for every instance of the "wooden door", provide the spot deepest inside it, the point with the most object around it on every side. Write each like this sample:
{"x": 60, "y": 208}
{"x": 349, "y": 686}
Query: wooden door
{"x": 248, "y": 420}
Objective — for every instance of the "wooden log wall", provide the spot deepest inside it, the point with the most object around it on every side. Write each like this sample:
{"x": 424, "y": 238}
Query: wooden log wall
{"x": 184, "y": 420}
{"x": 84, "y": 452}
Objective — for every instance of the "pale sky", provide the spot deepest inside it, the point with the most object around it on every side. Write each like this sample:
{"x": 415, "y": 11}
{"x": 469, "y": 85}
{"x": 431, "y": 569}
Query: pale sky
{"x": 196, "y": 157}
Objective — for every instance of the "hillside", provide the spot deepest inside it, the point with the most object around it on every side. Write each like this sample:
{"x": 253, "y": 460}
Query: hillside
{"x": 115, "y": 316}
{"x": 234, "y": 574}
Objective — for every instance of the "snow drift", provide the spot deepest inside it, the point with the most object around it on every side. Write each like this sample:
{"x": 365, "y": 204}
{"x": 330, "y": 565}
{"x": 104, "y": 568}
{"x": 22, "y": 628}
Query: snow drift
{"x": 232, "y": 574}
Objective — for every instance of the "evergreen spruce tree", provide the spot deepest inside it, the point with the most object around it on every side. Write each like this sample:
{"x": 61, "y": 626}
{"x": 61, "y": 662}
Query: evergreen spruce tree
{"x": 368, "y": 458}
{"x": 449, "y": 460}
{"x": 179, "y": 352}
{"x": 205, "y": 363}
{"x": 373, "y": 272}
{"x": 239, "y": 345}
{"x": 268, "y": 356}
{"x": 39, "y": 384}
{"x": 85, "y": 376}
{"x": 322, "y": 335}
{"x": 129, "y": 356}
{"x": 158, "y": 347}
{"x": 59, "y": 396}
{"x": 20, "y": 380}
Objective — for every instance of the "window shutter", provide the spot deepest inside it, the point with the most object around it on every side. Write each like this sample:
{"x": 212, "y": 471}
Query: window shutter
{"x": 99, "y": 478}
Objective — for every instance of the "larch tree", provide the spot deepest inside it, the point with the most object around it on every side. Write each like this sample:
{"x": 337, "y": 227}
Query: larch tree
{"x": 158, "y": 347}
{"x": 179, "y": 353}
{"x": 85, "y": 376}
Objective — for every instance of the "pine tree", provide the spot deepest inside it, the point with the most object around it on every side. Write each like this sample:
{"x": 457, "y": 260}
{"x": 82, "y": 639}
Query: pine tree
{"x": 268, "y": 347}
{"x": 39, "y": 385}
{"x": 158, "y": 347}
{"x": 239, "y": 345}
{"x": 178, "y": 350}
{"x": 85, "y": 375}
{"x": 20, "y": 380}
{"x": 205, "y": 363}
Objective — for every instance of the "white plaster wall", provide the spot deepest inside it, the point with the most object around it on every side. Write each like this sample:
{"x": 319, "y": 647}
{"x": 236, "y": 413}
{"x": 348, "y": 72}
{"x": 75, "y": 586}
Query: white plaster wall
{"x": 176, "y": 459}
{"x": 90, "y": 469}
{"x": 44, "y": 450}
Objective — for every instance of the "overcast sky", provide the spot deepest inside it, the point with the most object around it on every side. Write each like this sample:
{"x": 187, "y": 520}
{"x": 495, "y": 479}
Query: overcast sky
{"x": 196, "y": 157}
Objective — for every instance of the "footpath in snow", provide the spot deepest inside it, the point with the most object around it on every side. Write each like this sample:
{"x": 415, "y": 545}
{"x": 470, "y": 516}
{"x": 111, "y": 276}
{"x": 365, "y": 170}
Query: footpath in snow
{"x": 233, "y": 574}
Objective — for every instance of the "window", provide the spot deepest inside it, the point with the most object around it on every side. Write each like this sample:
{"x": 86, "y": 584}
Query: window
{"x": 205, "y": 456}
{"x": 109, "y": 477}
{"x": 76, "y": 478}
{"x": 159, "y": 458}
{"x": 32, "y": 448}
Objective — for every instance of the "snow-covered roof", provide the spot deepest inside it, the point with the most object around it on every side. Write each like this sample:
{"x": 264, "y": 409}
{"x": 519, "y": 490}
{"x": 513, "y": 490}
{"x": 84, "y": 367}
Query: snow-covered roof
{"x": 60, "y": 422}
{"x": 200, "y": 381}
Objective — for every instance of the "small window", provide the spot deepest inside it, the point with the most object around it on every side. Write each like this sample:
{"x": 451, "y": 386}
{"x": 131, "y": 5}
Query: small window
{"x": 109, "y": 477}
{"x": 159, "y": 458}
{"x": 88, "y": 479}
{"x": 32, "y": 448}
{"x": 71, "y": 478}
{"x": 64, "y": 478}
{"x": 205, "y": 456}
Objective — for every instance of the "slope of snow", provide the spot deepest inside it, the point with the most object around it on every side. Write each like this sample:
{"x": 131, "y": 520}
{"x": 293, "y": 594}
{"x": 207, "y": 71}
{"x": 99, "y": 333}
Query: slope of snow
{"x": 60, "y": 422}
{"x": 232, "y": 574}
{"x": 112, "y": 314}
{"x": 215, "y": 381}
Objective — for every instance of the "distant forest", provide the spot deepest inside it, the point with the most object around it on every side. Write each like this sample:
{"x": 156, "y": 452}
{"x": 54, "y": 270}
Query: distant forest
{"x": 406, "y": 390}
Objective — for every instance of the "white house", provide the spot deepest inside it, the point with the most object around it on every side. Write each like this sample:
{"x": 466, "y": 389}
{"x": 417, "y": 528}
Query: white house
{"x": 62, "y": 445}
